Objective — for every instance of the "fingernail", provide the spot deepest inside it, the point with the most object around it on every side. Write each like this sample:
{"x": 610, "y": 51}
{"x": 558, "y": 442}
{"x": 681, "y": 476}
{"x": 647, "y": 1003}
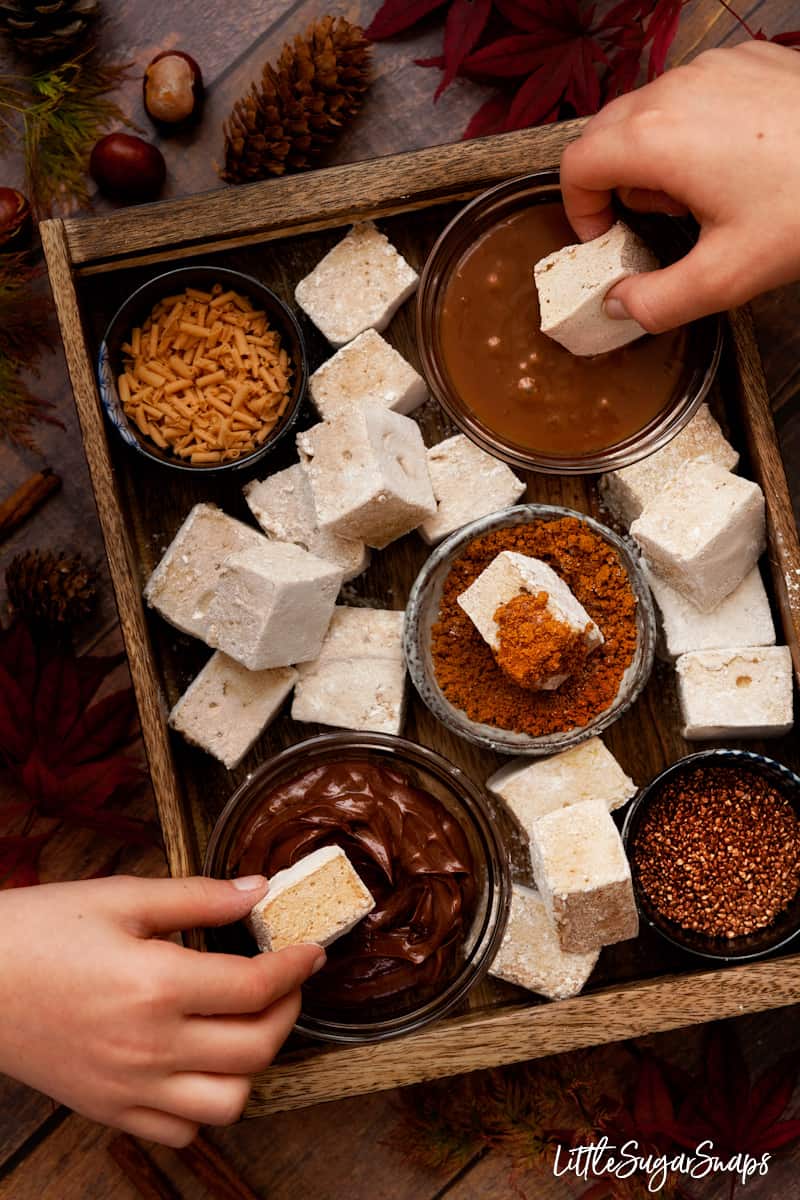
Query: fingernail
{"x": 249, "y": 883}
{"x": 616, "y": 310}
{"x": 319, "y": 963}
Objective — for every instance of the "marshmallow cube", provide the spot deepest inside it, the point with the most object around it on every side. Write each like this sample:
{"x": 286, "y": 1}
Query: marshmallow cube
{"x": 366, "y": 371}
{"x": 582, "y": 873}
{"x": 530, "y": 955}
{"x": 318, "y": 899}
{"x": 284, "y": 508}
{"x": 182, "y": 585}
{"x": 509, "y": 574}
{"x": 226, "y": 707}
{"x": 358, "y": 285}
{"x": 368, "y": 474}
{"x": 742, "y": 618}
{"x": 272, "y": 605}
{"x": 573, "y": 283}
{"x": 741, "y": 693}
{"x": 627, "y": 492}
{"x": 531, "y": 788}
{"x": 468, "y": 483}
{"x": 359, "y": 679}
{"x": 703, "y": 533}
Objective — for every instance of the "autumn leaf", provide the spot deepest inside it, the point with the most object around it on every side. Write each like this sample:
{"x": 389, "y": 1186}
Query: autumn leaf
{"x": 466, "y": 21}
{"x": 661, "y": 30}
{"x": 491, "y": 117}
{"x": 395, "y": 16}
{"x": 19, "y": 860}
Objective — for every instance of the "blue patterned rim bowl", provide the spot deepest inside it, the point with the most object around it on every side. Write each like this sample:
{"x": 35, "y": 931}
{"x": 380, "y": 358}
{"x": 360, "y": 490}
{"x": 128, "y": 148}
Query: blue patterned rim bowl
{"x": 785, "y": 928}
{"x": 136, "y": 309}
{"x": 422, "y": 612}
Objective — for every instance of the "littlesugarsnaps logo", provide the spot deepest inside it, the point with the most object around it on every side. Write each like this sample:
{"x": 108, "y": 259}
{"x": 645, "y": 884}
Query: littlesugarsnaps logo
{"x": 603, "y": 1158}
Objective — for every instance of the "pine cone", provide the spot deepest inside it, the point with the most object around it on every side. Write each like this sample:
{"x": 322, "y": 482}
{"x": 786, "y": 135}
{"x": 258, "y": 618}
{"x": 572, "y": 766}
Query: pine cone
{"x": 317, "y": 86}
{"x": 51, "y": 591}
{"x": 43, "y": 27}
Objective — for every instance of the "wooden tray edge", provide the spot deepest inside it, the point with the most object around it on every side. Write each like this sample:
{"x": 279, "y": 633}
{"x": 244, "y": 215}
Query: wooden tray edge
{"x": 783, "y": 545}
{"x": 293, "y": 204}
{"x": 177, "y": 831}
{"x": 477, "y": 1041}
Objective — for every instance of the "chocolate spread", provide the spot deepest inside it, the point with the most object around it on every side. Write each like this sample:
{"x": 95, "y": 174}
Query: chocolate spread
{"x": 409, "y": 851}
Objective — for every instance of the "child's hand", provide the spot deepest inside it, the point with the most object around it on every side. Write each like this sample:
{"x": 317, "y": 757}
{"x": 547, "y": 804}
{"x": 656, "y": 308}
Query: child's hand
{"x": 99, "y": 1012}
{"x": 719, "y": 137}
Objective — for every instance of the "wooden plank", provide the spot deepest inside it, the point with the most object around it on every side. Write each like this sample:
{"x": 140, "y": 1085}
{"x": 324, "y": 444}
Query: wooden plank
{"x": 769, "y": 472}
{"x": 317, "y": 200}
{"x": 467, "y": 1044}
{"x": 177, "y": 834}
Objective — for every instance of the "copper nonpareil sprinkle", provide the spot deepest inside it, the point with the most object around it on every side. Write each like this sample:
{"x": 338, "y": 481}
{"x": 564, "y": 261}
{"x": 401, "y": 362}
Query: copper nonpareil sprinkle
{"x": 718, "y": 852}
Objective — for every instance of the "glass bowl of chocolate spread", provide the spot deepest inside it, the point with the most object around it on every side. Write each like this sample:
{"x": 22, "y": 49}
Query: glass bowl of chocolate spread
{"x": 419, "y": 834}
{"x": 517, "y": 393}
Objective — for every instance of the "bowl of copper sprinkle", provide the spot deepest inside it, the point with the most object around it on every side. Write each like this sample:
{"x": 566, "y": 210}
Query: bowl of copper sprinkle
{"x": 456, "y": 672}
{"x": 714, "y": 846}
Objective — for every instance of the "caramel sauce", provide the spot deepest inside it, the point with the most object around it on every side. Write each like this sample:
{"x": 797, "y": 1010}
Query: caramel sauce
{"x": 521, "y": 384}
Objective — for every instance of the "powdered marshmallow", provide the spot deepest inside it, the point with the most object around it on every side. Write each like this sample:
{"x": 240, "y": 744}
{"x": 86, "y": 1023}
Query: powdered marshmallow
{"x": 226, "y": 707}
{"x": 366, "y": 371}
{"x": 573, "y": 283}
{"x": 530, "y": 955}
{"x": 740, "y": 692}
{"x": 468, "y": 483}
{"x": 743, "y": 617}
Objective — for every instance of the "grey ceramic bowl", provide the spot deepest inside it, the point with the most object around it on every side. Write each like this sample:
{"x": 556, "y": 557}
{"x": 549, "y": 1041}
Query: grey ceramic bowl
{"x": 422, "y": 612}
{"x": 785, "y": 928}
{"x": 136, "y": 308}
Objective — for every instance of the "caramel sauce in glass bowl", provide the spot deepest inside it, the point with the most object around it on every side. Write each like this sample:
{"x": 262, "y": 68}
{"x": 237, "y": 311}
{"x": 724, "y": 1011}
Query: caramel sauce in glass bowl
{"x": 517, "y": 393}
{"x": 520, "y": 382}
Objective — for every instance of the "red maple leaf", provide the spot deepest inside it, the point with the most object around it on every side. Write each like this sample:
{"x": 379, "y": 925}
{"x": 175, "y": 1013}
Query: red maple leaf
{"x": 67, "y": 753}
{"x": 661, "y": 30}
{"x": 466, "y": 21}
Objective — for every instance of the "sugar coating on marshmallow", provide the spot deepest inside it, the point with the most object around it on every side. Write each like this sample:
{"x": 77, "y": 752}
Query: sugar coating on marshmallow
{"x": 358, "y": 681}
{"x": 284, "y": 508}
{"x": 584, "y": 878}
{"x": 743, "y": 617}
{"x": 530, "y": 955}
{"x": 573, "y": 283}
{"x": 509, "y": 574}
{"x": 366, "y": 371}
{"x": 703, "y": 533}
{"x": 272, "y": 605}
{"x": 627, "y": 492}
{"x": 530, "y": 788}
{"x": 468, "y": 483}
{"x": 226, "y": 707}
{"x": 358, "y": 285}
{"x": 318, "y": 899}
{"x": 740, "y": 692}
{"x": 368, "y": 474}
{"x": 182, "y": 585}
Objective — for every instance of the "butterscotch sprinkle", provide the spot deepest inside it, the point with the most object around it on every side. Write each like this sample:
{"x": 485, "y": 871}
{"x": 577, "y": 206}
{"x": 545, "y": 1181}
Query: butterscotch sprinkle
{"x": 205, "y": 377}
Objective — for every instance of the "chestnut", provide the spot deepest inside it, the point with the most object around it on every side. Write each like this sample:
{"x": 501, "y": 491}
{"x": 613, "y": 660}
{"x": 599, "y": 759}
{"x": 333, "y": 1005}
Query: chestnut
{"x": 127, "y": 168}
{"x": 16, "y": 221}
{"x": 173, "y": 89}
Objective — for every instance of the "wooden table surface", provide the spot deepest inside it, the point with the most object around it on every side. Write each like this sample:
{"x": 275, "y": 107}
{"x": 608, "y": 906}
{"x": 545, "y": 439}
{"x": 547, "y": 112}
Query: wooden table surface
{"x": 357, "y": 1148}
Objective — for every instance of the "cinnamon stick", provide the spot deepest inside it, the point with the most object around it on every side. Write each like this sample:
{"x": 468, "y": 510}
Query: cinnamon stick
{"x": 150, "y": 1182}
{"x": 26, "y": 499}
{"x": 211, "y": 1169}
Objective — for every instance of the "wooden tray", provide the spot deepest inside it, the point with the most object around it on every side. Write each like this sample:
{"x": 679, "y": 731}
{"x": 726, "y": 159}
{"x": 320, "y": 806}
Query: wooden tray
{"x": 278, "y": 231}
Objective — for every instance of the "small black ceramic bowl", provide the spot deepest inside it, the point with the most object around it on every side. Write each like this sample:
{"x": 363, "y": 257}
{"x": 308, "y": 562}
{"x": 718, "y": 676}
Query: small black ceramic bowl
{"x": 762, "y": 942}
{"x": 136, "y": 309}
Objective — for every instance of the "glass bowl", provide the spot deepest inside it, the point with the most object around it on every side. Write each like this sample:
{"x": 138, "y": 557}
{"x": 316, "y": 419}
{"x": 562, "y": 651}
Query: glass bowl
{"x": 135, "y": 310}
{"x": 668, "y": 238}
{"x": 461, "y": 797}
{"x": 422, "y": 612}
{"x": 762, "y": 942}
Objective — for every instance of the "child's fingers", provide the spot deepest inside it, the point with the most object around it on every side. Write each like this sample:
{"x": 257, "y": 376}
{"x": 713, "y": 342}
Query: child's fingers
{"x": 228, "y": 983}
{"x": 156, "y": 906}
{"x": 163, "y": 1127}
{"x": 646, "y": 200}
{"x": 203, "y": 1098}
{"x": 237, "y": 1045}
{"x": 702, "y": 282}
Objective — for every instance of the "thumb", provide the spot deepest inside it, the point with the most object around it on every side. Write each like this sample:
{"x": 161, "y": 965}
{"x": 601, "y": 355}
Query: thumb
{"x": 696, "y": 285}
{"x": 170, "y": 905}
